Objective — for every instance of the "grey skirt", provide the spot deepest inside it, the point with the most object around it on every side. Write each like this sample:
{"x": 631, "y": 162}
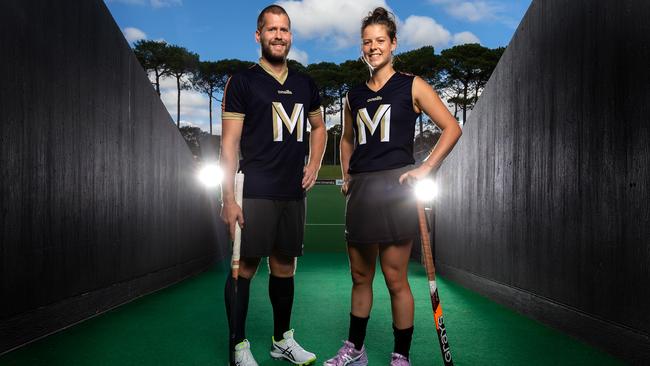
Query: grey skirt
{"x": 380, "y": 210}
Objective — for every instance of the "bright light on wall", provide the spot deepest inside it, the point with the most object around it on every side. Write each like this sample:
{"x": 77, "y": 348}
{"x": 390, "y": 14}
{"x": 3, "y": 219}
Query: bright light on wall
{"x": 211, "y": 175}
{"x": 426, "y": 190}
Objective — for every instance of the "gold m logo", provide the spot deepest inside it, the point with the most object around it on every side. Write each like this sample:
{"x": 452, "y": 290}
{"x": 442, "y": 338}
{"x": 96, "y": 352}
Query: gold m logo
{"x": 280, "y": 116}
{"x": 381, "y": 118}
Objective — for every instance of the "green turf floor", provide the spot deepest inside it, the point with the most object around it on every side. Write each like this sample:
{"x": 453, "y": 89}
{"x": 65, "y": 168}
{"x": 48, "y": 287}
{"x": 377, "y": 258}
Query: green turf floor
{"x": 185, "y": 325}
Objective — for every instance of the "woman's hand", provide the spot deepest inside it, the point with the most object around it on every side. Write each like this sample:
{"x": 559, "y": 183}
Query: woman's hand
{"x": 416, "y": 174}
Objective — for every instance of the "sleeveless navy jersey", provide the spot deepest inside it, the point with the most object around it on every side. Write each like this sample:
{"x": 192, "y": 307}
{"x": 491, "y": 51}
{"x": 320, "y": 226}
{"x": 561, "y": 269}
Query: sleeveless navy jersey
{"x": 384, "y": 125}
{"x": 274, "y": 110}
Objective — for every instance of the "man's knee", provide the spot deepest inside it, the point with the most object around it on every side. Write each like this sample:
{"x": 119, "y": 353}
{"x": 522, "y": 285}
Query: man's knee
{"x": 281, "y": 265}
{"x": 248, "y": 267}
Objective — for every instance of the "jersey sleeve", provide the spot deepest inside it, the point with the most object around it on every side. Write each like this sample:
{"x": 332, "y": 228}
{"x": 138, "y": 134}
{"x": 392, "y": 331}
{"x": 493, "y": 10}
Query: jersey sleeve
{"x": 233, "y": 105}
{"x": 314, "y": 101}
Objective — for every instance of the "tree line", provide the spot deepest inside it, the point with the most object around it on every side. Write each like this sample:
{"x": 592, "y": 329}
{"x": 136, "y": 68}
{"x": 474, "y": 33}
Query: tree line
{"x": 458, "y": 74}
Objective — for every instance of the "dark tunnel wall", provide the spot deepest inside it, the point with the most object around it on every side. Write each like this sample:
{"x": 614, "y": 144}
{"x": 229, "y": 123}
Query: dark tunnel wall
{"x": 545, "y": 204}
{"x": 98, "y": 200}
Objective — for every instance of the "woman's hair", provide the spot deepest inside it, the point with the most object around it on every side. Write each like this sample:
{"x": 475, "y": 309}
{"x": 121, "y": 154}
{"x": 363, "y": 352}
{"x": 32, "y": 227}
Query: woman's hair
{"x": 383, "y": 17}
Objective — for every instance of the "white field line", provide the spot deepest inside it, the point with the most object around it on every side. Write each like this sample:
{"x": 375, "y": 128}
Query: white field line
{"x": 324, "y": 224}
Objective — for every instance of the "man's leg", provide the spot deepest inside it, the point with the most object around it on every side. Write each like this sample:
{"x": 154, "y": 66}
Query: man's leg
{"x": 281, "y": 286}
{"x": 247, "y": 269}
{"x": 282, "y": 269}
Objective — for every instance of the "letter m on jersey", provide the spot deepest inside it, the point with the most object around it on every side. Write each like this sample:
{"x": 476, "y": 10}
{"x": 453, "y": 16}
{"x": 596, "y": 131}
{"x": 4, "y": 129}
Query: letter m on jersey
{"x": 381, "y": 119}
{"x": 280, "y": 116}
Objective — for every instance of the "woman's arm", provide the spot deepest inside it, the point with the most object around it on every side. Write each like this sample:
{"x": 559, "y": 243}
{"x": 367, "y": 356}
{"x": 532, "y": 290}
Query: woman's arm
{"x": 346, "y": 145}
{"x": 426, "y": 100}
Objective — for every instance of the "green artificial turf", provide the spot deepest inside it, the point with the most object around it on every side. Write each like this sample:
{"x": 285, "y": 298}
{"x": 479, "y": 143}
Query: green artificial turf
{"x": 185, "y": 324}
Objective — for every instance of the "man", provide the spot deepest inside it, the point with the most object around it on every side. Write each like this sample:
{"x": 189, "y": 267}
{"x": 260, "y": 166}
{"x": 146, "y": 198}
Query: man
{"x": 264, "y": 112}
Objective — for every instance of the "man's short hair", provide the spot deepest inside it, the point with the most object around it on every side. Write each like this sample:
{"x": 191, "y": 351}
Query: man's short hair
{"x": 273, "y": 9}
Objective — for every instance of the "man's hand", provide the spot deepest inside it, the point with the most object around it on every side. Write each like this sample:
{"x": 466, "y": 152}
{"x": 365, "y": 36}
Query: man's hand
{"x": 232, "y": 214}
{"x": 309, "y": 175}
{"x": 344, "y": 186}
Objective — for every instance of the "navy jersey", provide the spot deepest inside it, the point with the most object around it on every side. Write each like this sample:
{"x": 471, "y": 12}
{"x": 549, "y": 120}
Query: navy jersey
{"x": 384, "y": 125}
{"x": 274, "y": 110}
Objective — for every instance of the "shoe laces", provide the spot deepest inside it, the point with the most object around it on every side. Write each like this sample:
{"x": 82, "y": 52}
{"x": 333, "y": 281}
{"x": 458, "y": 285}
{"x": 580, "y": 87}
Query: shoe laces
{"x": 397, "y": 359}
{"x": 244, "y": 353}
{"x": 288, "y": 342}
{"x": 346, "y": 353}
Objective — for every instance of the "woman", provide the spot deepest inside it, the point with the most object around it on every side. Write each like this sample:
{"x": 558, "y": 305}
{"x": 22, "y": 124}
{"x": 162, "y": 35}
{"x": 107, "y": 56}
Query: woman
{"x": 377, "y": 165}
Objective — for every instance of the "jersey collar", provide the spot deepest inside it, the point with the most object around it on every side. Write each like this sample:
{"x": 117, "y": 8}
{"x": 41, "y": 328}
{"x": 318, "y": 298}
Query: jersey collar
{"x": 282, "y": 77}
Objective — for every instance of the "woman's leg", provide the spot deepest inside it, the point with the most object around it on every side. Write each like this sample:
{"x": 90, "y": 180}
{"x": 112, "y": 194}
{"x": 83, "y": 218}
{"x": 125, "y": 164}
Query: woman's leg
{"x": 363, "y": 259}
{"x": 362, "y": 268}
{"x": 394, "y": 264}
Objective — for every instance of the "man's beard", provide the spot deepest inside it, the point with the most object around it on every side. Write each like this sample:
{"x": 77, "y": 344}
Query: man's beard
{"x": 270, "y": 57}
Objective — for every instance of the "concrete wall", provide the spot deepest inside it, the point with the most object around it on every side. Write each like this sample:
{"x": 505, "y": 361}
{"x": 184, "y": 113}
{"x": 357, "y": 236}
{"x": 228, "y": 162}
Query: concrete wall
{"x": 98, "y": 201}
{"x": 546, "y": 200}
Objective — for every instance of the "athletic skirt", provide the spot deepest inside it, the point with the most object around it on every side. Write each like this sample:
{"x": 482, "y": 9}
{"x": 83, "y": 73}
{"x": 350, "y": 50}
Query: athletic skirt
{"x": 380, "y": 210}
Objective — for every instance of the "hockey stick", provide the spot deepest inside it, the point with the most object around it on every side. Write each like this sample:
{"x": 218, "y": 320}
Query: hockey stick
{"x": 433, "y": 290}
{"x": 234, "y": 265}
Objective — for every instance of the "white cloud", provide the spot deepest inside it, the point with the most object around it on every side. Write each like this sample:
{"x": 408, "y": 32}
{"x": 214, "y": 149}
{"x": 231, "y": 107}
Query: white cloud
{"x": 418, "y": 31}
{"x": 194, "y": 106}
{"x": 129, "y": 2}
{"x": 133, "y": 34}
{"x": 336, "y": 22}
{"x": 465, "y": 37}
{"x": 165, "y": 3}
{"x": 473, "y": 10}
{"x": 152, "y": 3}
{"x": 299, "y": 55}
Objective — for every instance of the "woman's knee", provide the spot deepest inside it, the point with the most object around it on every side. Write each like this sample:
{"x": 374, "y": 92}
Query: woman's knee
{"x": 362, "y": 277}
{"x": 396, "y": 281}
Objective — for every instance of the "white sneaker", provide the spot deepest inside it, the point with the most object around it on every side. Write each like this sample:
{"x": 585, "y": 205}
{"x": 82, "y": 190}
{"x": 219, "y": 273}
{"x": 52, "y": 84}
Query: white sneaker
{"x": 290, "y": 350}
{"x": 243, "y": 355}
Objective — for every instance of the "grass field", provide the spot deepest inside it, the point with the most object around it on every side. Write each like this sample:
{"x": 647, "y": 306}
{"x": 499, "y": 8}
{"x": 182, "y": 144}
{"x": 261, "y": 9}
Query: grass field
{"x": 325, "y": 219}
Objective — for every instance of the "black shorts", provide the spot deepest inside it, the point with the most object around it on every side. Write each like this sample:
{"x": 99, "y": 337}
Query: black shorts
{"x": 379, "y": 209}
{"x": 272, "y": 226}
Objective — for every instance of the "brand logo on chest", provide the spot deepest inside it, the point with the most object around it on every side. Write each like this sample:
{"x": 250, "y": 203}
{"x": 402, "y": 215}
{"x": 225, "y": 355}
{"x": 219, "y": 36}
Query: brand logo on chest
{"x": 381, "y": 119}
{"x": 280, "y": 117}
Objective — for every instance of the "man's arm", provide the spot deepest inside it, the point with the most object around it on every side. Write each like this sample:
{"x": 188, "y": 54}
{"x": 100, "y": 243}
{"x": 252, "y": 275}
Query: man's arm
{"x": 317, "y": 141}
{"x": 231, "y": 213}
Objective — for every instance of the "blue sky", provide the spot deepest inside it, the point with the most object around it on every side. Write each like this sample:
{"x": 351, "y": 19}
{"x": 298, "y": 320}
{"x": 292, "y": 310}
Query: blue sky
{"x": 323, "y": 30}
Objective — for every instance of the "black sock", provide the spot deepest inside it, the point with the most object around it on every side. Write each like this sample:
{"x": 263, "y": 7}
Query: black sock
{"x": 357, "y": 333}
{"x": 238, "y": 334}
{"x": 281, "y": 294}
{"x": 403, "y": 340}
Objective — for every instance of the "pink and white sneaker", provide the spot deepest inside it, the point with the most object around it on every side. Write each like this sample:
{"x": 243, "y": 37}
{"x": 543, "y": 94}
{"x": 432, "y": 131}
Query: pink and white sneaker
{"x": 349, "y": 356}
{"x": 398, "y": 360}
